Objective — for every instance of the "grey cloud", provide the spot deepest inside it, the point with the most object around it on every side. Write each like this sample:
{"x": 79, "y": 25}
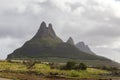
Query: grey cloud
{"x": 93, "y": 26}
{"x": 117, "y": 0}
{"x": 107, "y": 31}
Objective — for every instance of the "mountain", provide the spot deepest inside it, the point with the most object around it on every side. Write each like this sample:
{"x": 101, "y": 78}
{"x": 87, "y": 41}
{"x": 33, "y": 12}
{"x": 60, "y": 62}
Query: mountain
{"x": 45, "y": 36}
{"x": 47, "y": 46}
{"x": 85, "y": 48}
{"x": 70, "y": 41}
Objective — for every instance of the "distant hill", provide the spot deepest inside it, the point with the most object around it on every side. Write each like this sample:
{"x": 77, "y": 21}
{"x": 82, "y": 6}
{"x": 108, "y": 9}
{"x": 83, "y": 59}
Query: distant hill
{"x": 85, "y": 48}
{"x": 47, "y": 46}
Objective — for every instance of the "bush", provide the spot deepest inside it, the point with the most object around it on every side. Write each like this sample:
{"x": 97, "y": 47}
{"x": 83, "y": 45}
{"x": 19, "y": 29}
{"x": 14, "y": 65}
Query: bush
{"x": 82, "y": 66}
{"x": 70, "y": 65}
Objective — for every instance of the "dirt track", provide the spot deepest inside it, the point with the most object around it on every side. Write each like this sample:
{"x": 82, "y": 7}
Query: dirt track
{"x": 77, "y": 79}
{"x": 60, "y": 79}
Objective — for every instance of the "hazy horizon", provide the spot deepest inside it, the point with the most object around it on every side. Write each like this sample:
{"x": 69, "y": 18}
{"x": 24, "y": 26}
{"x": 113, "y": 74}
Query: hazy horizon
{"x": 95, "y": 22}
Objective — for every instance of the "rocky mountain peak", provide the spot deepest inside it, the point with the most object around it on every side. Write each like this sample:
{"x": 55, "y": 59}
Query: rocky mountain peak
{"x": 51, "y": 29}
{"x": 70, "y": 41}
{"x": 45, "y": 31}
{"x": 42, "y": 26}
{"x": 85, "y": 48}
{"x": 81, "y": 44}
{"x": 50, "y": 26}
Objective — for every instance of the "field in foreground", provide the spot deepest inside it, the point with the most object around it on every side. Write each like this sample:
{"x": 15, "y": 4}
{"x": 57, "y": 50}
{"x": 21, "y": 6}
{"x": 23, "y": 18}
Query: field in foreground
{"x": 44, "y": 71}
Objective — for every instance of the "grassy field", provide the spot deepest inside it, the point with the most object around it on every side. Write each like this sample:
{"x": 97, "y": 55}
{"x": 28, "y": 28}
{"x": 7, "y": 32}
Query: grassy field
{"x": 20, "y": 71}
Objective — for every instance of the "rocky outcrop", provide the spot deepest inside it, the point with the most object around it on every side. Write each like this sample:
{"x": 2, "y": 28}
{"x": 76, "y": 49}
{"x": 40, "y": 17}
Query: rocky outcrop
{"x": 45, "y": 32}
{"x": 85, "y": 48}
{"x": 70, "y": 41}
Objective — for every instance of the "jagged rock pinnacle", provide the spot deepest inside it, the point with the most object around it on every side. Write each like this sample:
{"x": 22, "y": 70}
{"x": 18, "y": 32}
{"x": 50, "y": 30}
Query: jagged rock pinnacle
{"x": 50, "y": 26}
{"x": 46, "y": 32}
{"x": 82, "y": 44}
{"x": 43, "y": 25}
{"x": 70, "y": 41}
{"x": 85, "y": 48}
{"x": 51, "y": 30}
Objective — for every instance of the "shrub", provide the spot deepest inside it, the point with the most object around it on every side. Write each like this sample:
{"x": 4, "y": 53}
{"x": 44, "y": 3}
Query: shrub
{"x": 29, "y": 64}
{"x": 82, "y": 66}
{"x": 70, "y": 65}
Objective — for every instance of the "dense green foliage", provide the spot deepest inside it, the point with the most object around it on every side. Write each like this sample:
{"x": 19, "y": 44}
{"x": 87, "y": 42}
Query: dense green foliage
{"x": 82, "y": 66}
{"x": 70, "y": 65}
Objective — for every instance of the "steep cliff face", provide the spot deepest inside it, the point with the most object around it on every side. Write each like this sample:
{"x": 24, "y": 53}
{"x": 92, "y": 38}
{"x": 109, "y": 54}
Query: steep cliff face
{"x": 46, "y": 44}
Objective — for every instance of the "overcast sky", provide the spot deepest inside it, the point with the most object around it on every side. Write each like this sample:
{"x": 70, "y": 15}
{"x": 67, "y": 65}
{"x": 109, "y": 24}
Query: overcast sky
{"x": 96, "y": 22}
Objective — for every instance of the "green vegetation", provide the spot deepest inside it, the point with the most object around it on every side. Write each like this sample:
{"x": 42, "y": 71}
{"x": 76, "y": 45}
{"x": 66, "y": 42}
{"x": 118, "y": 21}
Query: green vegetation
{"x": 14, "y": 70}
{"x": 45, "y": 41}
{"x": 71, "y": 65}
{"x": 82, "y": 66}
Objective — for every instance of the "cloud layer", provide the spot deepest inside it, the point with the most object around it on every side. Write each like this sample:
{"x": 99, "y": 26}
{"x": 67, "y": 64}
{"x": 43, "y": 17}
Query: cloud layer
{"x": 96, "y": 22}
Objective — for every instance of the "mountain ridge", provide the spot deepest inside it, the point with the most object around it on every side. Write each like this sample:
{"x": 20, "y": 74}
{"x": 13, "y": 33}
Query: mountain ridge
{"x": 46, "y": 44}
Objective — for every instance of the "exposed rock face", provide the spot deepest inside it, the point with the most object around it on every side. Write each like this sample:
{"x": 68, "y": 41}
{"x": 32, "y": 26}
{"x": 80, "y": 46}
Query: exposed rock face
{"x": 45, "y": 32}
{"x": 85, "y": 48}
{"x": 45, "y": 36}
{"x": 70, "y": 41}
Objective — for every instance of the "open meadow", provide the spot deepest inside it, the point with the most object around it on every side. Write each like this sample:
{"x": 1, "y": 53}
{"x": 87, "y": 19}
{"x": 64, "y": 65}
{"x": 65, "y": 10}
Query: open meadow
{"x": 46, "y": 71}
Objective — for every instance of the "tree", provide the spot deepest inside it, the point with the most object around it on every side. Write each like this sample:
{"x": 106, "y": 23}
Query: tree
{"x": 82, "y": 66}
{"x": 70, "y": 65}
